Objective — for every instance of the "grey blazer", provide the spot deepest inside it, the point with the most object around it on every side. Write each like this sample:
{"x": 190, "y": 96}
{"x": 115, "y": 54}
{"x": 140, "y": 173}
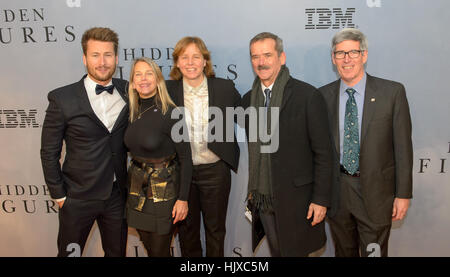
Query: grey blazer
{"x": 386, "y": 155}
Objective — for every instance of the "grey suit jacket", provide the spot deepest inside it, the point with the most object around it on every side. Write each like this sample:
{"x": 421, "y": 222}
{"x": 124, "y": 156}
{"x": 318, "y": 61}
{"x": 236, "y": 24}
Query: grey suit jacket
{"x": 386, "y": 155}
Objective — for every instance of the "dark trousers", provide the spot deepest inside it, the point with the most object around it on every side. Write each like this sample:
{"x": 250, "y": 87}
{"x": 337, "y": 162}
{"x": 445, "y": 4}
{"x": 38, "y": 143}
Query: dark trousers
{"x": 269, "y": 223}
{"x": 76, "y": 218}
{"x": 208, "y": 195}
{"x": 155, "y": 244}
{"x": 353, "y": 232}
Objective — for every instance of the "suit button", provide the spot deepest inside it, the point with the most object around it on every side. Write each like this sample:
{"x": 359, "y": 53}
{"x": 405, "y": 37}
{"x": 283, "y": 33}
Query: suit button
{"x": 113, "y": 153}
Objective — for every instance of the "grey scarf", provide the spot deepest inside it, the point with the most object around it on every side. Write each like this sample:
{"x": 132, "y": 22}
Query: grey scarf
{"x": 260, "y": 178}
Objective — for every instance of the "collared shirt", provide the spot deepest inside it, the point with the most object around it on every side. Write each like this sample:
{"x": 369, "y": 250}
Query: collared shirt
{"x": 107, "y": 107}
{"x": 196, "y": 102}
{"x": 360, "y": 88}
{"x": 263, "y": 88}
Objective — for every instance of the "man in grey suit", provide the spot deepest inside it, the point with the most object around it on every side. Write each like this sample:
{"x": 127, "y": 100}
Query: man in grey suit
{"x": 371, "y": 125}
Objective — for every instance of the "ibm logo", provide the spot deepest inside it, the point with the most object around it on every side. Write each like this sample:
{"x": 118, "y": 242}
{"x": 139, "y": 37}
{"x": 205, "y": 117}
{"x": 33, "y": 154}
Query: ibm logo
{"x": 326, "y": 18}
{"x": 18, "y": 119}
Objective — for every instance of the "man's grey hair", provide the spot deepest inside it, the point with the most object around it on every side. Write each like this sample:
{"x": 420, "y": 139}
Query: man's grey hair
{"x": 267, "y": 35}
{"x": 350, "y": 34}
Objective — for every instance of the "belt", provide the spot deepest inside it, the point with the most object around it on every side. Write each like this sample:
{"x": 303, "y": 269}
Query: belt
{"x": 152, "y": 182}
{"x": 343, "y": 170}
{"x": 143, "y": 163}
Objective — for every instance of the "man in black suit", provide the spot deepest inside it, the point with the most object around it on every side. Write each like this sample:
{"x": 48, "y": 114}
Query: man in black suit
{"x": 289, "y": 187}
{"x": 195, "y": 87}
{"x": 375, "y": 187}
{"x": 90, "y": 116}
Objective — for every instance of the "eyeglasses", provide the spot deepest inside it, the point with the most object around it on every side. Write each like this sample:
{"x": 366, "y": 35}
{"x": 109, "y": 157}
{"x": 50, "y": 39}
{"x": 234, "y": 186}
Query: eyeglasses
{"x": 353, "y": 54}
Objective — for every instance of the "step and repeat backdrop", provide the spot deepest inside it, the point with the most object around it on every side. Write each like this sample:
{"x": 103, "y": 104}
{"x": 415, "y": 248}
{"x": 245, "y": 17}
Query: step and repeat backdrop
{"x": 40, "y": 50}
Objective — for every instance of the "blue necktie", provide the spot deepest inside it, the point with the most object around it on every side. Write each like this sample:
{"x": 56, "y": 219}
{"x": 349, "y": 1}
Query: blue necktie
{"x": 350, "y": 157}
{"x": 99, "y": 89}
{"x": 268, "y": 94}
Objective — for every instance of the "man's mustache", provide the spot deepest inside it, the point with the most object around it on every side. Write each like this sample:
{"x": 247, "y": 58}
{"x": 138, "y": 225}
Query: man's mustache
{"x": 263, "y": 67}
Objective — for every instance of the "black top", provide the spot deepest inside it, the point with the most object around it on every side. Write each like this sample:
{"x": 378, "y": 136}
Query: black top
{"x": 150, "y": 137}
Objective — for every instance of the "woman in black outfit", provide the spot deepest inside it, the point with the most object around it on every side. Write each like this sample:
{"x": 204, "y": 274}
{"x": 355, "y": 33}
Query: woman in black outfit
{"x": 160, "y": 172}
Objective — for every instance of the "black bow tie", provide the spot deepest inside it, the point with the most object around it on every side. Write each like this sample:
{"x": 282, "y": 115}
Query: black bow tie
{"x": 99, "y": 89}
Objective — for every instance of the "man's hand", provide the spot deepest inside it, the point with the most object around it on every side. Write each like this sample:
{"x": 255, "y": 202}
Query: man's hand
{"x": 179, "y": 211}
{"x": 60, "y": 202}
{"x": 400, "y": 208}
{"x": 318, "y": 211}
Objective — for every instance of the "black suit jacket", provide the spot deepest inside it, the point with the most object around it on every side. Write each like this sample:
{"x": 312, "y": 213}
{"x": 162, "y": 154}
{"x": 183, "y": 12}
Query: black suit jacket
{"x": 386, "y": 154}
{"x": 221, "y": 94}
{"x": 301, "y": 168}
{"x": 93, "y": 154}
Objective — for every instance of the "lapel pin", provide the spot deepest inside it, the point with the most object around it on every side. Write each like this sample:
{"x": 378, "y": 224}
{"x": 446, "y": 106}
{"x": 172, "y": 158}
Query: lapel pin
{"x": 372, "y": 100}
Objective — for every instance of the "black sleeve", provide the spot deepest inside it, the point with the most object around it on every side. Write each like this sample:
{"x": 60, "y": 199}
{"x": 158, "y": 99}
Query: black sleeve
{"x": 321, "y": 145}
{"x": 236, "y": 99}
{"x": 236, "y": 95}
{"x": 51, "y": 144}
{"x": 183, "y": 150}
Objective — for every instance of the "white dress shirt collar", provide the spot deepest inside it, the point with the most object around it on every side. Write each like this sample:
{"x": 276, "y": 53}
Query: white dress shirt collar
{"x": 200, "y": 90}
{"x": 91, "y": 84}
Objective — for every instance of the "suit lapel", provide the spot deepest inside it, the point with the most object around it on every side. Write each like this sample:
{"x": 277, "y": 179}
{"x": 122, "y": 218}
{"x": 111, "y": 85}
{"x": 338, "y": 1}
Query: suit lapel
{"x": 369, "y": 106}
{"x": 211, "y": 94}
{"x": 86, "y": 105}
{"x": 123, "y": 91}
{"x": 123, "y": 116}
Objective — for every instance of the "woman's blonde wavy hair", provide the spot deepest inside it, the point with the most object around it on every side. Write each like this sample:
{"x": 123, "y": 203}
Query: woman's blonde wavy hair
{"x": 162, "y": 100}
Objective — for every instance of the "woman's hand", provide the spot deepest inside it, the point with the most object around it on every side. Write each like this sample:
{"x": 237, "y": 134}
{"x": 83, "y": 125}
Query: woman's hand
{"x": 179, "y": 211}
